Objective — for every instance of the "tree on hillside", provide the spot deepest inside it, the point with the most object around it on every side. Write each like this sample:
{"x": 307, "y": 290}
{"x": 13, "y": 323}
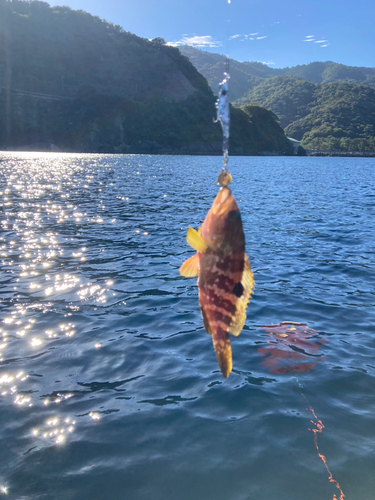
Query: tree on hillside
{"x": 288, "y": 97}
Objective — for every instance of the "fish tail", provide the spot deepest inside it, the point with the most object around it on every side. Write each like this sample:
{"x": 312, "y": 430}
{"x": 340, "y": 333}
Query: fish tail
{"x": 223, "y": 351}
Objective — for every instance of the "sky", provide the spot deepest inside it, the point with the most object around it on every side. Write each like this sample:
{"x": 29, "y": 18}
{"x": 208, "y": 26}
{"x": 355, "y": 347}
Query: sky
{"x": 277, "y": 33}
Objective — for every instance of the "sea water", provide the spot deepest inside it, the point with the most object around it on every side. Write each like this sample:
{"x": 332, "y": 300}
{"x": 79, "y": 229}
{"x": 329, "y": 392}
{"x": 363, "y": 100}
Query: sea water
{"x": 109, "y": 384}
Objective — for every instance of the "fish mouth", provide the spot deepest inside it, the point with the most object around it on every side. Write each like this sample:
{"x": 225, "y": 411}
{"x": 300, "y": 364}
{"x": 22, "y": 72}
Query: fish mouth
{"x": 222, "y": 201}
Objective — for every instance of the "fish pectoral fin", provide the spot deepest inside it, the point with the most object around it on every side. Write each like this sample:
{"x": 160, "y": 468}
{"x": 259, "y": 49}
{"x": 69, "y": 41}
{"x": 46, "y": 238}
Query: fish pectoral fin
{"x": 195, "y": 240}
{"x": 190, "y": 267}
{"x": 246, "y": 286}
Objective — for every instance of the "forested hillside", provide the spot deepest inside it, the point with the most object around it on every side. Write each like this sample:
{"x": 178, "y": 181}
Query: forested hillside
{"x": 57, "y": 50}
{"x": 341, "y": 118}
{"x": 332, "y": 116}
{"x": 288, "y": 97}
{"x": 83, "y": 84}
{"x": 249, "y": 74}
{"x": 328, "y": 106}
{"x": 244, "y": 76}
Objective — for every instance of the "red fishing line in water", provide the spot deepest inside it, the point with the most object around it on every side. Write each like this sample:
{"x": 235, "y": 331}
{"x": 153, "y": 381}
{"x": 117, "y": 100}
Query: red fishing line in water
{"x": 317, "y": 429}
{"x": 290, "y": 347}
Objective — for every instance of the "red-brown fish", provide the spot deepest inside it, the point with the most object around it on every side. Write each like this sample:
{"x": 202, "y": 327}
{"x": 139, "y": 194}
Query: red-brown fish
{"x": 225, "y": 279}
{"x": 291, "y": 347}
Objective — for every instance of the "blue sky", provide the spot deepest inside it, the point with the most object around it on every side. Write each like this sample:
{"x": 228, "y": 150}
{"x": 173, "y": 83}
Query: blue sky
{"x": 279, "y": 33}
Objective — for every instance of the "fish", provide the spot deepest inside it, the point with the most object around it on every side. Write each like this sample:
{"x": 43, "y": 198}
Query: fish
{"x": 225, "y": 278}
{"x": 291, "y": 347}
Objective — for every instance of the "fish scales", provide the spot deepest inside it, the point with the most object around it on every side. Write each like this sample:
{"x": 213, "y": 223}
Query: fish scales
{"x": 225, "y": 280}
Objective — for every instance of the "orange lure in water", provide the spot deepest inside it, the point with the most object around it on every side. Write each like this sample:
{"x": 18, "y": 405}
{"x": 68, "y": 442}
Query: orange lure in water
{"x": 225, "y": 279}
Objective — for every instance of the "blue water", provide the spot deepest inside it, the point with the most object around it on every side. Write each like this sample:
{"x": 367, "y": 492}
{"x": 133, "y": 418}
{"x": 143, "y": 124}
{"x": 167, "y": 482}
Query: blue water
{"x": 109, "y": 385}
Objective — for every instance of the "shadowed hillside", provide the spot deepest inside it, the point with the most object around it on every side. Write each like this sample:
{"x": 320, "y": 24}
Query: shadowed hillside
{"x": 83, "y": 84}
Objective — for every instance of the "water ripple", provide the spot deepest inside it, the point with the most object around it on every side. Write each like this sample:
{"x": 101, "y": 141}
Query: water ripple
{"x": 109, "y": 385}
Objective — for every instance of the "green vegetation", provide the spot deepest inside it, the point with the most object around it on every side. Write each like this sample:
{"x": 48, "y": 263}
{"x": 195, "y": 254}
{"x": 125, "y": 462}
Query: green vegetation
{"x": 250, "y": 74}
{"x": 56, "y": 50}
{"x": 332, "y": 116}
{"x": 244, "y": 76}
{"x": 328, "y": 106}
{"x": 341, "y": 118}
{"x": 326, "y": 72}
{"x": 265, "y": 130}
{"x": 287, "y": 96}
{"x": 72, "y": 79}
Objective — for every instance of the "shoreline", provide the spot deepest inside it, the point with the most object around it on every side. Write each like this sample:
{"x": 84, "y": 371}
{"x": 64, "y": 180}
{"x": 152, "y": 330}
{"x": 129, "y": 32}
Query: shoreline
{"x": 52, "y": 148}
{"x": 344, "y": 154}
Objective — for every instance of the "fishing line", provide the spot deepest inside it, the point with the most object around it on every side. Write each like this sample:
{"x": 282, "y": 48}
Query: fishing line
{"x": 222, "y": 104}
{"x": 317, "y": 429}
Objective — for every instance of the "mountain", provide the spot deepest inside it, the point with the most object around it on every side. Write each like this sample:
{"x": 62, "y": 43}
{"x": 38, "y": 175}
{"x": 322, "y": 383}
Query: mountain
{"x": 246, "y": 75}
{"x": 83, "y": 84}
{"x": 328, "y": 106}
{"x": 335, "y": 116}
{"x": 341, "y": 117}
{"x": 287, "y": 96}
{"x": 327, "y": 72}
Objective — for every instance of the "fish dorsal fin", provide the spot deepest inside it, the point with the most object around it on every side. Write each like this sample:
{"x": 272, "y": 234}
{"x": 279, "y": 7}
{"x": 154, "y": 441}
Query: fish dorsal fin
{"x": 195, "y": 240}
{"x": 190, "y": 268}
{"x": 248, "y": 284}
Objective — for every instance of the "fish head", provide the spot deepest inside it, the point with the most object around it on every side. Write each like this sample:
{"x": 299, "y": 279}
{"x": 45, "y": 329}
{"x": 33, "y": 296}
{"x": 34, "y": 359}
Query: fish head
{"x": 222, "y": 228}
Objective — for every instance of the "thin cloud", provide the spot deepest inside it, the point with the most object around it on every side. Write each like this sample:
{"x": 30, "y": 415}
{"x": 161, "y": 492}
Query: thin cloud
{"x": 244, "y": 38}
{"x": 196, "y": 41}
{"x": 310, "y": 38}
{"x": 324, "y": 45}
{"x": 269, "y": 63}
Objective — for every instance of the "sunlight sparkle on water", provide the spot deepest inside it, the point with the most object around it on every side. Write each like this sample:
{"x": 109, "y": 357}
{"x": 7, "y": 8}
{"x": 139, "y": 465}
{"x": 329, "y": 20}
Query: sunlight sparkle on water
{"x": 68, "y": 329}
{"x": 22, "y": 400}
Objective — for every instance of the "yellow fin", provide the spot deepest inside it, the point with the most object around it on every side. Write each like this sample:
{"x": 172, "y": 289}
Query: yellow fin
{"x": 248, "y": 284}
{"x": 195, "y": 240}
{"x": 223, "y": 351}
{"x": 189, "y": 268}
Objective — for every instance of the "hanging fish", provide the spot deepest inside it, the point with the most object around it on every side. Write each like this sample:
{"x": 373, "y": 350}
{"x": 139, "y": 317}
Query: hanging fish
{"x": 225, "y": 279}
